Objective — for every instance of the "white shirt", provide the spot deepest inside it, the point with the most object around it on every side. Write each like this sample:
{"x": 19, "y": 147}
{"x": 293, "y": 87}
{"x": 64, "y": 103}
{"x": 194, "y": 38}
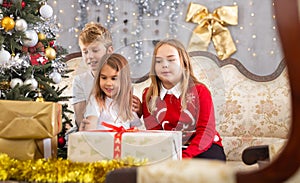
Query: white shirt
{"x": 176, "y": 91}
{"x": 82, "y": 87}
{"x": 109, "y": 114}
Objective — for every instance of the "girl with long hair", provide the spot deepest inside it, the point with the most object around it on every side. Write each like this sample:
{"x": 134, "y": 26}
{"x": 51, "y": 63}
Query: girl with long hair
{"x": 176, "y": 100}
{"x": 112, "y": 96}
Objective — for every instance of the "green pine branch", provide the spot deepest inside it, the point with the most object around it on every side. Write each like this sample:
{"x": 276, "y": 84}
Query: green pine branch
{"x": 18, "y": 93}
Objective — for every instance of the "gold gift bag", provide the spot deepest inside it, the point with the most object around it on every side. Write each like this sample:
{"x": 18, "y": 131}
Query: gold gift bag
{"x": 28, "y": 129}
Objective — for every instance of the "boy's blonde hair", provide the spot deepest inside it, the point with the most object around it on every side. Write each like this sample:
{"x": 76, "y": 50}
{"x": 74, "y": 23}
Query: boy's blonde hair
{"x": 188, "y": 78}
{"x": 123, "y": 97}
{"x": 95, "y": 32}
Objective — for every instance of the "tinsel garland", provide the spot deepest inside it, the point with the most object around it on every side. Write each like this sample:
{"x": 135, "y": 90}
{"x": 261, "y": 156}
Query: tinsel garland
{"x": 60, "y": 170}
{"x": 151, "y": 8}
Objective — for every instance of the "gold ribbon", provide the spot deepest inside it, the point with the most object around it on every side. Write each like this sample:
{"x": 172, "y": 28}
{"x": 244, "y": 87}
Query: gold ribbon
{"x": 212, "y": 26}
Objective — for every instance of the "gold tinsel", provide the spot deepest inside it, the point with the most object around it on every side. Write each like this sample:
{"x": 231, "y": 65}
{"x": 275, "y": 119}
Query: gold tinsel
{"x": 60, "y": 170}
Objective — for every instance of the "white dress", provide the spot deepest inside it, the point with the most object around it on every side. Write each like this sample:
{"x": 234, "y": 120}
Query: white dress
{"x": 109, "y": 114}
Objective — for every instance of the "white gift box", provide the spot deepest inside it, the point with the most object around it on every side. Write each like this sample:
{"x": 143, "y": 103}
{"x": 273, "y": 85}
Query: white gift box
{"x": 153, "y": 145}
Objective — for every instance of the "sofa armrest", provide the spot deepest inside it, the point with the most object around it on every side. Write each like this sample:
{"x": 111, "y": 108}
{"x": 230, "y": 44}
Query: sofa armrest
{"x": 256, "y": 154}
{"x": 262, "y": 154}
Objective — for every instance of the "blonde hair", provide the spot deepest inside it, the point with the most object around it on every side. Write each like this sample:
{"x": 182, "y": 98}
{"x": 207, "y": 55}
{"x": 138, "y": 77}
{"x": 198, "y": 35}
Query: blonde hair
{"x": 123, "y": 97}
{"x": 188, "y": 78}
{"x": 95, "y": 32}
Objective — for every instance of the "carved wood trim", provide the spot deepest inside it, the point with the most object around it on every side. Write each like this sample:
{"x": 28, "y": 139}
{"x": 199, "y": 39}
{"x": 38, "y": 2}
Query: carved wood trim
{"x": 241, "y": 67}
{"x": 231, "y": 61}
{"x": 72, "y": 55}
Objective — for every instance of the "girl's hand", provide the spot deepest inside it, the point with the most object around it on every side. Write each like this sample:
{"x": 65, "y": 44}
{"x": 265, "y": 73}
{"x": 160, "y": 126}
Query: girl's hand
{"x": 136, "y": 105}
{"x": 84, "y": 125}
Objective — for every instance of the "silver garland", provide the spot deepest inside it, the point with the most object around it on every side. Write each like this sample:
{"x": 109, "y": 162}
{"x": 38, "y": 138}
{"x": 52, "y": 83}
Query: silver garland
{"x": 173, "y": 17}
{"x": 49, "y": 26}
{"x": 145, "y": 7}
{"x": 110, "y": 19}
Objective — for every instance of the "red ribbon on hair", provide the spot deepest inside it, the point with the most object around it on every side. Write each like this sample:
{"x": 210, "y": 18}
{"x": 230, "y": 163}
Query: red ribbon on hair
{"x": 118, "y": 136}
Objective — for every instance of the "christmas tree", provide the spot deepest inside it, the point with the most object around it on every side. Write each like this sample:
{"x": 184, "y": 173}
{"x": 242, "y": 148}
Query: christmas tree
{"x": 31, "y": 63}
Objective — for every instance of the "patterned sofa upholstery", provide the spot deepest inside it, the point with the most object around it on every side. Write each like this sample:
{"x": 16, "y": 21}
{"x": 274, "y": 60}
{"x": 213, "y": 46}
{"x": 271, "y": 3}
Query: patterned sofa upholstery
{"x": 250, "y": 110}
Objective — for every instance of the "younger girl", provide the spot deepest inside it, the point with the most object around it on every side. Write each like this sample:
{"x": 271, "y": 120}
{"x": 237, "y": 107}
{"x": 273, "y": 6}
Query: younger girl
{"x": 112, "y": 96}
{"x": 175, "y": 100}
{"x": 94, "y": 42}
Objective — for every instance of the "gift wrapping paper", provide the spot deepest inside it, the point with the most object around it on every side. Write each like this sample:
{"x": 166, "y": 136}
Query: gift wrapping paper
{"x": 29, "y": 149}
{"x": 154, "y": 146}
{"x": 28, "y": 129}
{"x": 29, "y": 119}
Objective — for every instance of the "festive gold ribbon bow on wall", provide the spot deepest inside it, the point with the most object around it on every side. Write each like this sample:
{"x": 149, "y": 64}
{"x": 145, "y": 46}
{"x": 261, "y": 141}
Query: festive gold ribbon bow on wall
{"x": 212, "y": 26}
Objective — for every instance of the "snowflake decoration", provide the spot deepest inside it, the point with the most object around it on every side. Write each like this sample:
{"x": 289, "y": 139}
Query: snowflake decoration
{"x": 190, "y": 98}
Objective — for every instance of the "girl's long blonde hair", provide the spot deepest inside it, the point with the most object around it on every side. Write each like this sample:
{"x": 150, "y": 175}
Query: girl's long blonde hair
{"x": 123, "y": 97}
{"x": 188, "y": 78}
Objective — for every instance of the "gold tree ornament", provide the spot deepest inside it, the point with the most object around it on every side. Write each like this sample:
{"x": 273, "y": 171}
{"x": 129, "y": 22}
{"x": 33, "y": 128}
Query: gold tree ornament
{"x": 8, "y": 23}
{"x": 41, "y": 36}
{"x": 40, "y": 97}
{"x": 4, "y": 85}
{"x": 50, "y": 53}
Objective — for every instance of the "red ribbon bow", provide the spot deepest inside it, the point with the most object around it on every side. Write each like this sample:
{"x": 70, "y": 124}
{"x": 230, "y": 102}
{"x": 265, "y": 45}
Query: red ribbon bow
{"x": 118, "y": 136}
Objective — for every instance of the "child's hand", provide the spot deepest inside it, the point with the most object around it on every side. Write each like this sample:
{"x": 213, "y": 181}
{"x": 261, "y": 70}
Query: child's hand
{"x": 136, "y": 105}
{"x": 84, "y": 124}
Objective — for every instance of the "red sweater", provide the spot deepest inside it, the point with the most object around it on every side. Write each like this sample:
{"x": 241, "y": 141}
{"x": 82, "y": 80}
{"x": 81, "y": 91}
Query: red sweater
{"x": 197, "y": 121}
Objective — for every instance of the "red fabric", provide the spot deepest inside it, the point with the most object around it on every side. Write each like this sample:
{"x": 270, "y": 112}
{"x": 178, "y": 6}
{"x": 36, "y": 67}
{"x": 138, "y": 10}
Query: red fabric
{"x": 34, "y": 59}
{"x": 198, "y": 116}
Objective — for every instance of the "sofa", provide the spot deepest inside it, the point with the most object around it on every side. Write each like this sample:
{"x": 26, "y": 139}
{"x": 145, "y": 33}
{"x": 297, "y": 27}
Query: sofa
{"x": 250, "y": 110}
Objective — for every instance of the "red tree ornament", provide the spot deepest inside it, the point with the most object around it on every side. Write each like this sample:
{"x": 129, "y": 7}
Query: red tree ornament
{"x": 61, "y": 141}
{"x": 23, "y": 4}
{"x": 51, "y": 43}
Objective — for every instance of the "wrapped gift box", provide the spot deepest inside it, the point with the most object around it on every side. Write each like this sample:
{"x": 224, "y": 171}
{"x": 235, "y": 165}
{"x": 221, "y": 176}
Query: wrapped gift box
{"x": 155, "y": 146}
{"x": 29, "y": 149}
{"x": 28, "y": 129}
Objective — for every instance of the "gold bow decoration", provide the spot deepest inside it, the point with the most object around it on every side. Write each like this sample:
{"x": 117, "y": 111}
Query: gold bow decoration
{"x": 211, "y": 26}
